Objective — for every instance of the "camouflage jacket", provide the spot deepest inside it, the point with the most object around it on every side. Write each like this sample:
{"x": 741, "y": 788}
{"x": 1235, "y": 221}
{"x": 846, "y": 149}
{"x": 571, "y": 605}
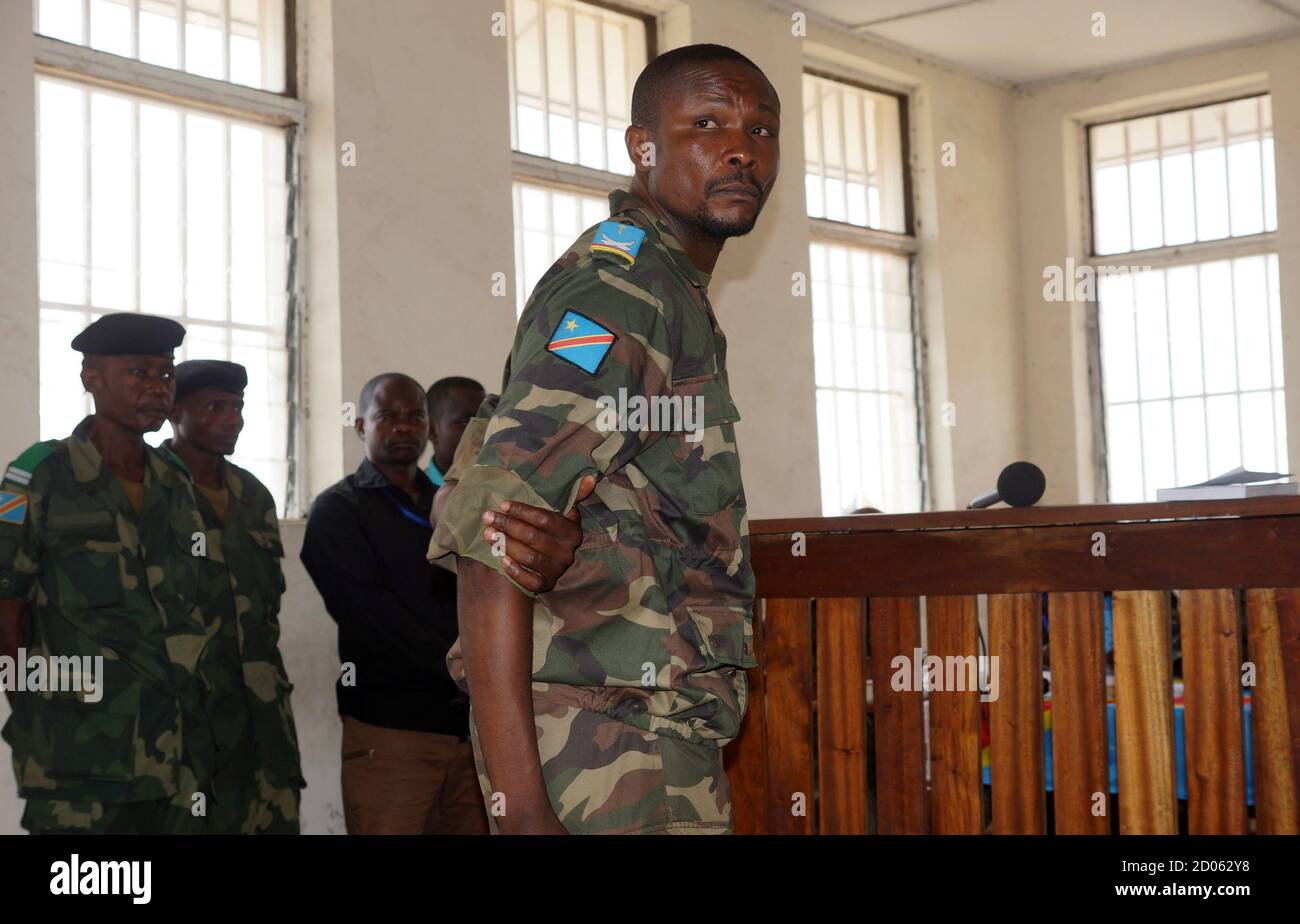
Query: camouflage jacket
{"x": 652, "y": 624}
{"x": 248, "y": 544}
{"x": 103, "y": 581}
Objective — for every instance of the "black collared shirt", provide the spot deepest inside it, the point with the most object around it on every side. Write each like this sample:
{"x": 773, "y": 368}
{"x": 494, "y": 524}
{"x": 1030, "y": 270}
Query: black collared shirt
{"x": 365, "y": 550}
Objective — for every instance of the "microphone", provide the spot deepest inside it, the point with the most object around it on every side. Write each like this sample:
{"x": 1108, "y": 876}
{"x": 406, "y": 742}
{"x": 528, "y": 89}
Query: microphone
{"x": 1021, "y": 484}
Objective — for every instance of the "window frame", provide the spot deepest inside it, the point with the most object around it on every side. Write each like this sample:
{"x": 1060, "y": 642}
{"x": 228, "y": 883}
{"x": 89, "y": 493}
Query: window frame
{"x": 524, "y": 161}
{"x": 91, "y": 68}
{"x": 562, "y": 176}
{"x": 1156, "y": 258}
{"x": 904, "y": 243}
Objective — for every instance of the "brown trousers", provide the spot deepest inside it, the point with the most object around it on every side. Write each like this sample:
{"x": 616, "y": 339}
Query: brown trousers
{"x": 397, "y": 781}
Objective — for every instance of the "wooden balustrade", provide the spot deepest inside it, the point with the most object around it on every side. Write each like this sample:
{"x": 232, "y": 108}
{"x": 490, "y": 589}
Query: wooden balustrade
{"x": 832, "y": 744}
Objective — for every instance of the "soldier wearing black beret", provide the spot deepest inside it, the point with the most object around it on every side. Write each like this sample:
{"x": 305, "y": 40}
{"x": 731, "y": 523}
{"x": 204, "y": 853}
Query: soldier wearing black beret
{"x": 97, "y": 564}
{"x": 260, "y": 777}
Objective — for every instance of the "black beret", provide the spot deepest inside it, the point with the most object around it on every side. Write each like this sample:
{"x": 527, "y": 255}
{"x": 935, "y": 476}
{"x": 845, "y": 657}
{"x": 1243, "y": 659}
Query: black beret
{"x": 130, "y": 334}
{"x": 210, "y": 373}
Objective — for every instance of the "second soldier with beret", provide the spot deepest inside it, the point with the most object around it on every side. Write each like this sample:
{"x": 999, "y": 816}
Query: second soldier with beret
{"x": 258, "y": 773}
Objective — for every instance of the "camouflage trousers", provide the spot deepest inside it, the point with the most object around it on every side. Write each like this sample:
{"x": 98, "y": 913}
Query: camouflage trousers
{"x": 264, "y": 808}
{"x": 604, "y": 776}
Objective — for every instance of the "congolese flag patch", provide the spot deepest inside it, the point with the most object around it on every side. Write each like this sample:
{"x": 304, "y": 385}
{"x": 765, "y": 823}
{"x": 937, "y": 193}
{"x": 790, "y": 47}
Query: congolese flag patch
{"x": 13, "y": 507}
{"x": 581, "y": 341}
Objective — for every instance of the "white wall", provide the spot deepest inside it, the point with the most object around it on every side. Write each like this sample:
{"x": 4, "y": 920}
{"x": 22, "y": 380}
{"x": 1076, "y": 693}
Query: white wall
{"x": 18, "y": 314}
{"x": 402, "y": 246}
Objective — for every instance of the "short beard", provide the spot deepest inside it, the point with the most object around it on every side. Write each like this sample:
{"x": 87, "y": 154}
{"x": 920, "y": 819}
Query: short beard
{"x": 719, "y": 228}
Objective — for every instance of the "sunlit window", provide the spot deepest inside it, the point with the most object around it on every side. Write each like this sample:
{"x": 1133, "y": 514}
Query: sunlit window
{"x": 1199, "y": 174}
{"x": 151, "y": 207}
{"x": 572, "y": 68}
{"x": 865, "y": 372}
{"x": 1192, "y": 366}
{"x": 1190, "y": 343}
{"x": 546, "y": 222}
{"x": 241, "y": 41}
{"x": 864, "y": 341}
{"x": 853, "y": 155}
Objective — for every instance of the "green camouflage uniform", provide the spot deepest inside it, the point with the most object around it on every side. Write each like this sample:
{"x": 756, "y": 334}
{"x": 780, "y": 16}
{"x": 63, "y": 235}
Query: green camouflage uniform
{"x": 250, "y": 547}
{"x": 639, "y": 650}
{"x": 134, "y": 589}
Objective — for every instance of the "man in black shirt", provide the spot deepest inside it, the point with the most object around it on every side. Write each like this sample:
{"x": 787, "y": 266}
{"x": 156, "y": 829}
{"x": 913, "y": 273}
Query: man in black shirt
{"x": 407, "y": 763}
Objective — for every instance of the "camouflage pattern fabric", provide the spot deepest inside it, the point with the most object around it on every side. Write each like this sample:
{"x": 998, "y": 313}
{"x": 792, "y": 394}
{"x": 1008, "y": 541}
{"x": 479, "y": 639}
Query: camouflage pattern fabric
{"x": 264, "y": 808}
{"x": 138, "y": 591}
{"x": 604, "y": 776}
{"x": 652, "y": 624}
{"x": 250, "y": 548}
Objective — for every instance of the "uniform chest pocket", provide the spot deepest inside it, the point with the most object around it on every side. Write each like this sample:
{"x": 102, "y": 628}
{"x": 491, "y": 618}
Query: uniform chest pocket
{"x": 703, "y": 443}
{"x": 179, "y": 567}
{"x": 85, "y": 549}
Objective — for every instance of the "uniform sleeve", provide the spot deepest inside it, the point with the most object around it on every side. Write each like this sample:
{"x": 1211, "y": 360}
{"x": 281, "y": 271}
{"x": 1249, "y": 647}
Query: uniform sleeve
{"x": 471, "y": 440}
{"x": 467, "y": 450}
{"x": 557, "y": 419}
{"x": 21, "y": 513}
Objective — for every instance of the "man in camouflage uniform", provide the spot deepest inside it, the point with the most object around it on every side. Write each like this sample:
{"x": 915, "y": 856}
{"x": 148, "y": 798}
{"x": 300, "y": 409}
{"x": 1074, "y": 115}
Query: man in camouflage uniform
{"x": 103, "y": 553}
{"x": 636, "y": 657}
{"x": 239, "y": 513}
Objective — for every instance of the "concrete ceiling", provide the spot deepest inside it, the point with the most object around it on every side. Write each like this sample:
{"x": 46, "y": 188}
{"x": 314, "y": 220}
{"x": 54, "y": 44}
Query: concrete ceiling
{"x": 1025, "y": 41}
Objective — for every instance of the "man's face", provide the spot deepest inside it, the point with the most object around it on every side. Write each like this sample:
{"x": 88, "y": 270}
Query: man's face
{"x": 456, "y": 412}
{"x": 717, "y": 148}
{"x": 134, "y": 392}
{"x": 210, "y": 420}
{"x": 396, "y": 425}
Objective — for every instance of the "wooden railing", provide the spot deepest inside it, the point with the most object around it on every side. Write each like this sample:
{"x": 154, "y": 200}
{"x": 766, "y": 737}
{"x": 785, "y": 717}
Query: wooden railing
{"x": 836, "y": 742}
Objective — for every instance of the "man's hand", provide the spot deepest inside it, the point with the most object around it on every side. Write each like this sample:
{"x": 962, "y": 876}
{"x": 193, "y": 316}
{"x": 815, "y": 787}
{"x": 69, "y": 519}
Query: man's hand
{"x": 540, "y": 544}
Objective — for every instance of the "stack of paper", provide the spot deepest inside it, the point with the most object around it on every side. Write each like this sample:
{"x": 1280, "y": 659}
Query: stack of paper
{"x": 1232, "y": 485}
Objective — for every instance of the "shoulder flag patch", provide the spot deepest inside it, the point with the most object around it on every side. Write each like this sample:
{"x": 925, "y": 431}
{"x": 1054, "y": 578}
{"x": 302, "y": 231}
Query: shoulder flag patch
{"x": 13, "y": 507}
{"x": 581, "y": 341}
{"x": 620, "y": 239}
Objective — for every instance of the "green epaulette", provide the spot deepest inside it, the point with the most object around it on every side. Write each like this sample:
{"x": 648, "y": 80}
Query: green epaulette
{"x": 21, "y": 469}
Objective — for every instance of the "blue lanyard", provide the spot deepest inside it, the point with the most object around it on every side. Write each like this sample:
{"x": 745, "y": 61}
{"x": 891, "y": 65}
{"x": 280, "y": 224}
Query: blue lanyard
{"x": 406, "y": 511}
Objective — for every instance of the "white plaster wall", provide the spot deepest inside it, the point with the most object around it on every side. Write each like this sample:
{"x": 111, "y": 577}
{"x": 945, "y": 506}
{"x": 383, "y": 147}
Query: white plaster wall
{"x": 409, "y": 237}
{"x": 19, "y": 318}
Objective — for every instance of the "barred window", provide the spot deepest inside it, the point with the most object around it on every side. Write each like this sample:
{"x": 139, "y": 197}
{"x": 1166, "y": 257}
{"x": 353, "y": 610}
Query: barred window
{"x": 1190, "y": 336}
{"x": 160, "y": 202}
{"x": 864, "y": 329}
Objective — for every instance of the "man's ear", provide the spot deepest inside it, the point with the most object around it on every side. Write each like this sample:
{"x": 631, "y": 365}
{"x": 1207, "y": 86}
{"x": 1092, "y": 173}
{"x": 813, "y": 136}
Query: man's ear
{"x": 90, "y": 378}
{"x": 360, "y": 426}
{"x": 640, "y": 148}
